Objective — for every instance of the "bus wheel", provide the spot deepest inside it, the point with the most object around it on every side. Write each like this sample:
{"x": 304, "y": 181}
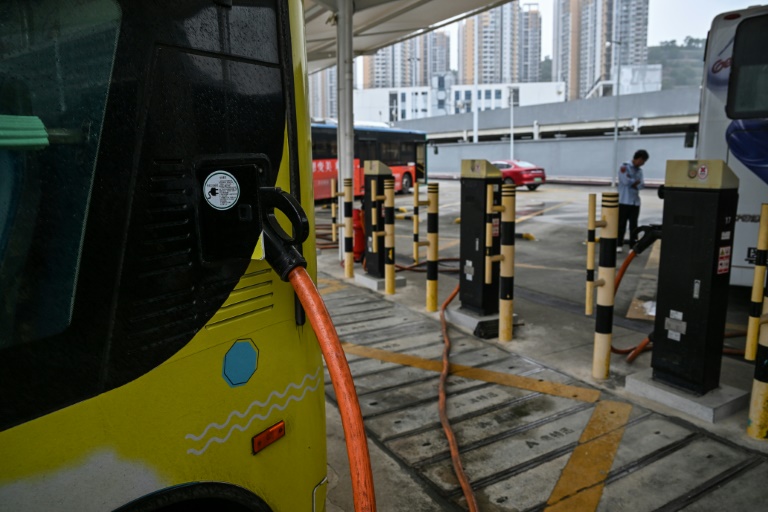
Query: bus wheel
{"x": 407, "y": 183}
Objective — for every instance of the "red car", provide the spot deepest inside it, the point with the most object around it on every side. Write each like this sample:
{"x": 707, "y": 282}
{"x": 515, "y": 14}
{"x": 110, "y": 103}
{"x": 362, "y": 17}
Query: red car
{"x": 521, "y": 173}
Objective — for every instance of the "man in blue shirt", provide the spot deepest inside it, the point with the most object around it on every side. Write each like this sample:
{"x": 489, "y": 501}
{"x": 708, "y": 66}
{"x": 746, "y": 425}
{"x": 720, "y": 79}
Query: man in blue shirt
{"x": 630, "y": 183}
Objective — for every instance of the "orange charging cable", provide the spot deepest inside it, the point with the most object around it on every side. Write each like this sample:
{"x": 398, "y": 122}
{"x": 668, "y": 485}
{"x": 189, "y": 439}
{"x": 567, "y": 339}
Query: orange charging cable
{"x": 466, "y": 487}
{"x": 341, "y": 378}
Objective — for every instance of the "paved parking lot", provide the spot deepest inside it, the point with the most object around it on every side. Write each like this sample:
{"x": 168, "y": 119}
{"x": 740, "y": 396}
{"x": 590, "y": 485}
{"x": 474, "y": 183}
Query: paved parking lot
{"x": 535, "y": 430}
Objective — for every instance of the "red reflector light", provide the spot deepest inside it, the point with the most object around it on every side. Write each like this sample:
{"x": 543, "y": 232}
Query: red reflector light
{"x": 732, "y": 16}
{"x": 267, "y": 437}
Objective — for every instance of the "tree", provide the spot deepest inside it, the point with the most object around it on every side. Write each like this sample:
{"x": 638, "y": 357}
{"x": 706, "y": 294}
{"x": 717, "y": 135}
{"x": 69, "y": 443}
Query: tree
{"x": 692, "y": 42}
{"x": 545, "y": 70}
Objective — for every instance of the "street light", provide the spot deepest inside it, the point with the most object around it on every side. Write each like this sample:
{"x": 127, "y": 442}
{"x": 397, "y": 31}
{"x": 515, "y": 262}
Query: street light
{"x": 511, "y": 123}
{"x": 475, "y": 99}
{"x": 616, "y": 93}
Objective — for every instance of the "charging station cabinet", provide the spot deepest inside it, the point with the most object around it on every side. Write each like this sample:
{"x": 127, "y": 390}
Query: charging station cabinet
{"x": 700, "y": 199}
{"x": 474, "y": 293}
{"x": 378, "y": 172}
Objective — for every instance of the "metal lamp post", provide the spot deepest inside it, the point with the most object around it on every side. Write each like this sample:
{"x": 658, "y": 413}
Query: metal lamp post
{"x": 511, "y": 123}
{"x": 617, "y": 93}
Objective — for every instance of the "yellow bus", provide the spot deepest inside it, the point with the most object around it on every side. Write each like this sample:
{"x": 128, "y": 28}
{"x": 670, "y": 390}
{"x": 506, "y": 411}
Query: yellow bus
{"x": 149, "y": 358}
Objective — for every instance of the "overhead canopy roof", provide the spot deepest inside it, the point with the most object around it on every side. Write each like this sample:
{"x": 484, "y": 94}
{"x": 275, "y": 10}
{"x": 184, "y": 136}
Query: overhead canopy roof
{"x": 380, "y": 23}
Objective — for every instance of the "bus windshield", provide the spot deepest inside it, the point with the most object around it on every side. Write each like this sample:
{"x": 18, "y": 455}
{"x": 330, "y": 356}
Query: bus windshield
{"x": 55, "y": 66}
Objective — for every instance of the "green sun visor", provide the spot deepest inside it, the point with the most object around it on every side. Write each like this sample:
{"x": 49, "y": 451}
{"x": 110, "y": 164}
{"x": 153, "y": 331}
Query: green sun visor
{"x": 22, "y": 133}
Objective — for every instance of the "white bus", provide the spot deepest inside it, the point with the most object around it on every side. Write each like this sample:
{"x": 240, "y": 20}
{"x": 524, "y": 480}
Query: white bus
{"x": 733, "y": 123}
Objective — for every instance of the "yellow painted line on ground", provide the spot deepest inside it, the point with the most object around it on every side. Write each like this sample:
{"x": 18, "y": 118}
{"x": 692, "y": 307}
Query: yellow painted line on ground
{"x": 540, "y": 212}
{"x": 581, "y": 482}
{"x": 447, "y": 205}
{"x": 330, "y": 285}
{"x": 504, "y": 379}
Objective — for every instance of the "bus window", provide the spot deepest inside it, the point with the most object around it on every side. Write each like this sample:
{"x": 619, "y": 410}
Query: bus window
{"x": 324, "y": 144}
{"x": 45, "y": 192}
{"x": 390, "y": 152}
{"x": 366, "y": 150}
{"x": 407, "y": 152}
{"x": 747, "y": 98}
{"x": 421, "y": 161}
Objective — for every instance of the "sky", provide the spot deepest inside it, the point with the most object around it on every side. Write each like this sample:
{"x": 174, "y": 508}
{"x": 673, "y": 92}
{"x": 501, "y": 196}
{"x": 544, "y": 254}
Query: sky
{"x": 667, "y": 20}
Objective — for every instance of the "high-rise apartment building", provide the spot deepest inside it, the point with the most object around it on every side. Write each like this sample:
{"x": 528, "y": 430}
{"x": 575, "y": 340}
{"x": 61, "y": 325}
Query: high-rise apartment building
{"x": 498, "y": 32}
{"x": 529, "y": 43}
{"x": 380, "y": 69}
{"x": 323, "y": 93}
{"x": 408, "y": 64}
{"x": 439, "y": 52}
{"x": 586, "y": 40}
{"x": 632, "y": 21}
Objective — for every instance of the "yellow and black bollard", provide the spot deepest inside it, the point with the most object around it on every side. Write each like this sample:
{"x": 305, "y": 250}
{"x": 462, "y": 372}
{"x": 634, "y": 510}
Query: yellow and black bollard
{"x": 507, "y": 270}
{"x": 757, "y": 425}
{"x": 389, "y": 236}
{"x": 601, "y": 360}
{"x": 432, "y": 248}
{"x": 416, "y": 204}
{"x": 758, "y": 284}
{"x": 591, "y": 217}
{"x": 376, "y": 175}
{"x": 491, "y": 212}
{"x": 349, "y": 256}
{"x": 374, "y": 199}
{"x": 334, "y": 225}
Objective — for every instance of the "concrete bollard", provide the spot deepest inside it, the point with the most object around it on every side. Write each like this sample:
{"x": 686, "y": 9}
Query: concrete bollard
{"x": 601, "y": 360}
{"x": 432, "y": 248}
{"x": 416, "y": 204}
{"x": 758, "y": 284}
{"x": 349, "y": 256}
{"x": 507, "y": 270}
{"x": 591, "y": 217}
{"x": 389, "y": 236}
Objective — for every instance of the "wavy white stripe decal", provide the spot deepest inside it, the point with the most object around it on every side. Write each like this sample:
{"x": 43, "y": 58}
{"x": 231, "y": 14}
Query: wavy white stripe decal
{"x": 256, "y": 404}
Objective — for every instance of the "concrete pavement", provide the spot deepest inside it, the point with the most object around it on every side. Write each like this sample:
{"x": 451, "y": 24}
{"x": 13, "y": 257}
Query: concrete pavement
{"x": 525, "y": 449}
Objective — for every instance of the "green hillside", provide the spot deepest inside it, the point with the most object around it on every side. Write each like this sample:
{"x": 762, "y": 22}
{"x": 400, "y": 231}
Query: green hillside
{"x": 682, "y": 63}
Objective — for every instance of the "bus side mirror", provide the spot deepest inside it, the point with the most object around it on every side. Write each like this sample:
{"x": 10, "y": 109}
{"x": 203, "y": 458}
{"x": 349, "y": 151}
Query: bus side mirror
{"x": 690, "y": 139}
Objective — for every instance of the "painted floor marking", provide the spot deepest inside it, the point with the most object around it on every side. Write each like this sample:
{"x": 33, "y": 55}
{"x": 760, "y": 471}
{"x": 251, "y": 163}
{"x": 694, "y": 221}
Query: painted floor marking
{"x": 330, "y": 285}
{"x": 581, "y": 482}
{"x": 504, "y": 379}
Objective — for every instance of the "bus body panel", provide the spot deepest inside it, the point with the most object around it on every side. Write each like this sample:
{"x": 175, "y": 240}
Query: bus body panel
{"x": 712, "y": 143}
{"x": 192, "y": 418}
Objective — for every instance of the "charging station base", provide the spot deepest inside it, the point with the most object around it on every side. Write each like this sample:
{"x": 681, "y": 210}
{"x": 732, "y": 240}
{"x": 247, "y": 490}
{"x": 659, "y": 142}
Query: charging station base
{"x": 481, "y": 326}
{"x": 377, "y": 284}
{"x": 711, "y": 407}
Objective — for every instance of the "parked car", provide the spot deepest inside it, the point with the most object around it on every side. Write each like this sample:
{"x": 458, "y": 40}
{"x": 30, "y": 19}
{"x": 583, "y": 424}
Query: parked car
{"x": 521, "y": 173}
